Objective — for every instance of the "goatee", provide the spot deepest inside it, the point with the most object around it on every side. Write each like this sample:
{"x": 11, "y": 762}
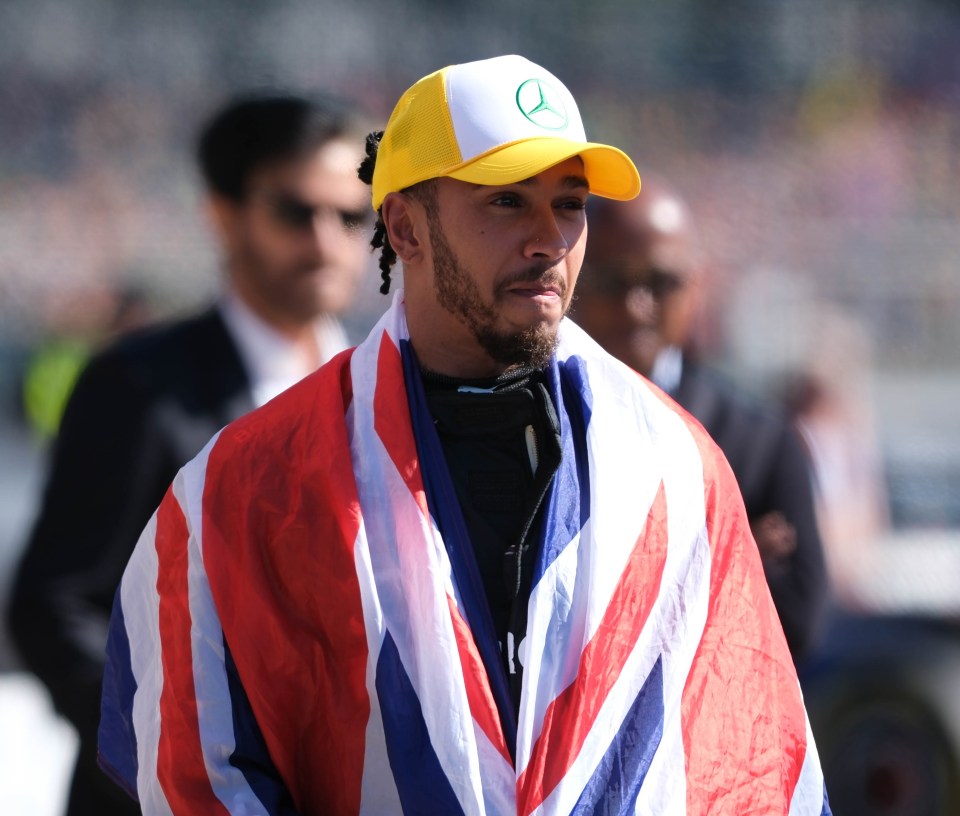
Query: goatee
{"x": 458, "y": 293}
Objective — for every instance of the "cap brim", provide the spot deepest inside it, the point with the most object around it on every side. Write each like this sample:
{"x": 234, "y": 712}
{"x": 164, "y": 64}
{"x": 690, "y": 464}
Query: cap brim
{"x": 610, "y": 172}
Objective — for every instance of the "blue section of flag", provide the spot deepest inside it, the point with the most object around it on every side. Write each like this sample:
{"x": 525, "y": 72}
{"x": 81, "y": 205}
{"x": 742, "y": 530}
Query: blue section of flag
{"x": 615, "y": 785}
{"x": 445, "y": 509}
{"x": 568, "y": 503}
{"x": 421, "y": 783}
{"x": 250, "y": 755}
{"x": 826, "y": 803}
{"x": 116, "y": 738}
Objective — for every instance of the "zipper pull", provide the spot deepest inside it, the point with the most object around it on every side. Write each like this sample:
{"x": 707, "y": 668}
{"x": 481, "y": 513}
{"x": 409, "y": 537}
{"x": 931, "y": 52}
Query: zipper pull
{"x": 532, "y": 453}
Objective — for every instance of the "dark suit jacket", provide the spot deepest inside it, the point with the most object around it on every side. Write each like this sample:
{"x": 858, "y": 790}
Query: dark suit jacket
{"x": 773, "y": 472}
{"x": 140, "y": 410}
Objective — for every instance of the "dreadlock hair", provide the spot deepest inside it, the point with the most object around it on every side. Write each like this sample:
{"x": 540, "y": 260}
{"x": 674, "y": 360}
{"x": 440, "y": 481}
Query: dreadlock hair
{"x": 422, "y": 191}
{"x": 388, "y": 257}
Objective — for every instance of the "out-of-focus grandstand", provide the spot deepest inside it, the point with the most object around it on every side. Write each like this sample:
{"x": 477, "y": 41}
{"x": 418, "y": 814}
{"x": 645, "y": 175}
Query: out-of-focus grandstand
{"x": 818, "y": 142}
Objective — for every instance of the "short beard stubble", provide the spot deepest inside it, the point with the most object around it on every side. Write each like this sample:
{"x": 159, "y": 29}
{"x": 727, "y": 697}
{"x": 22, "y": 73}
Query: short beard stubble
{"x": 458, "y": 293}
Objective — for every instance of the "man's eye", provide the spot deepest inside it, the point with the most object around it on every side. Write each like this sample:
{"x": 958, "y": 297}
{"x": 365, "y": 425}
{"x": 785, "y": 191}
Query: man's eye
{"x": 353, "y": 219}
{"x": 293, "y": 213}
{"x": 507, "y": 201}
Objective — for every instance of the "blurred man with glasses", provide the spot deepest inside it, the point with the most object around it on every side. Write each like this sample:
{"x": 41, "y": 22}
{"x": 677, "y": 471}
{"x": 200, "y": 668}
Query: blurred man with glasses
{"x": 638, "y": 297}
{"x": 287, "y": 210}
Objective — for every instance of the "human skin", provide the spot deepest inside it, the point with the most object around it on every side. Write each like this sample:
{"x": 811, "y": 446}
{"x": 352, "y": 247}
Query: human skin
{"x": 291, "y": 272}
{"x": 632, "y": 241}
{"x": 518, "y": 249}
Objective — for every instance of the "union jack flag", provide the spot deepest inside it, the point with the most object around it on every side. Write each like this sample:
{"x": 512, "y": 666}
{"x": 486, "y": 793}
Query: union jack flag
{"x": 293, "y": 634}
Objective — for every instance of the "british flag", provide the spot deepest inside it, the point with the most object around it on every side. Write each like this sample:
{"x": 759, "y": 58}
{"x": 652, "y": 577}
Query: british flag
{"x": 293, "y": 634}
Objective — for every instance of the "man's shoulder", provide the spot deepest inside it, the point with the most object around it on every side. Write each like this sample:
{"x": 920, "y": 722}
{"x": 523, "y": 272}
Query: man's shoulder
{"x": 267, "y": 457}
{"x": 714, "y": 398}
{"x": 174, "y": 338}
{"x": 192, "y": 354}
{"x": 316, "y": 402}
{"x": 757, "y": 437}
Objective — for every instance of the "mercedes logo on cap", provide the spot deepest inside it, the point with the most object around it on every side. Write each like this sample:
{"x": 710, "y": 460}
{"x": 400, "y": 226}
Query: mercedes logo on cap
{"x": 542, "y": 105}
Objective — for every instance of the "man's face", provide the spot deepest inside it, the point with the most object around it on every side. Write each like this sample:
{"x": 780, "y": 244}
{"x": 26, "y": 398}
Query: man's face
{"x": 636, "y": 296}
{"x": 505, "y": 260}
{"x": 296, "y": 244}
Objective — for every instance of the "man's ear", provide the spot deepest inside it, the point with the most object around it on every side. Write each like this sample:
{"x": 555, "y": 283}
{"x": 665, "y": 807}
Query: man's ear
{"x": 221, "y": 214}
{"x": 405, "y": 222}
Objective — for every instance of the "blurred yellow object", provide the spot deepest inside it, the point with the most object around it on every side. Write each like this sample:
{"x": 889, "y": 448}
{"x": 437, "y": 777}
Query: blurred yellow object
{"x": 48, "y": 383}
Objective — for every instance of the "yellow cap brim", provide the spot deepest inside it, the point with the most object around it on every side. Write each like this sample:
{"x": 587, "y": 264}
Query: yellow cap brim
{"x": 610, "y": 172}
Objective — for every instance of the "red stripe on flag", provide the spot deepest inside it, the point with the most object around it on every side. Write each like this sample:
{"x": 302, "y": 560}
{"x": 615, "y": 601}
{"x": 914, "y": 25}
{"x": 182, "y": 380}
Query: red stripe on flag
{"x": 180, "y": 767}
{"x": 281, "y": 517}
{"x": 480, "y": 697}
{"x": 391, "y": 419}
{"x": 743, "y": 721}
{"x": 569, "y": 718}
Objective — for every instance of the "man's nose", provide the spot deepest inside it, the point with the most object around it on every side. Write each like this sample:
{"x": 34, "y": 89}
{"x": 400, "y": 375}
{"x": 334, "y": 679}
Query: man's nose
{"x": 547, "y": 238}
{"x": 326, "y": 230}
{"x": 640, "y": 303}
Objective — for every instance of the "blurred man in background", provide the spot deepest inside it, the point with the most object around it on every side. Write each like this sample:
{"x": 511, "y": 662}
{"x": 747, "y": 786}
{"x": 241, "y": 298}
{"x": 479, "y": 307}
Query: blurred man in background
{"x": 638, "y": 297}
{"x": 286, "y": 208}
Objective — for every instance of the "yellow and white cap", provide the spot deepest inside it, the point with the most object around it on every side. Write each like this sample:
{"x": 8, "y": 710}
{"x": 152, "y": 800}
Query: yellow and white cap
{"x": 495, "y": 121}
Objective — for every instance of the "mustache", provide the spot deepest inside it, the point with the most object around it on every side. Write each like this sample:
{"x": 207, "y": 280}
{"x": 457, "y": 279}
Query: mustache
{"x": 544, "y": 274}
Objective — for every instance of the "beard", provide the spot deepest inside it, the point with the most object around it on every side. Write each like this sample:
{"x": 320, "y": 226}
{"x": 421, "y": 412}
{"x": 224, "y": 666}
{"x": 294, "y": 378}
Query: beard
{"x": 295, "y": 291}
{"x": 459, "y": 294}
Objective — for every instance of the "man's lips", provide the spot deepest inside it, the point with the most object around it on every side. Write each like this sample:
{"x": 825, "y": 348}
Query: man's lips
{"x": 539, "y": 278}
{"x": 535, "y": 290}
{"x": 548, "y": 286}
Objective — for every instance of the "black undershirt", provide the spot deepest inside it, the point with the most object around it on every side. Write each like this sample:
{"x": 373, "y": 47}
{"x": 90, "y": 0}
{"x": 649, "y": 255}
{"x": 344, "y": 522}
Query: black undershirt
{"x": 501, "y": 440}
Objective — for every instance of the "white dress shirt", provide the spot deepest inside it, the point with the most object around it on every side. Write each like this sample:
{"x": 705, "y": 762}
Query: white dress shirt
{"x": 668, "y": 369}
{"x": 273, "y": 361}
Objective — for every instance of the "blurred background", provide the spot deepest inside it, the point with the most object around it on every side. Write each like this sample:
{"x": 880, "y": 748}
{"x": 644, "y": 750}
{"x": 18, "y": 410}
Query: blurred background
{"x": 818, "y": 143}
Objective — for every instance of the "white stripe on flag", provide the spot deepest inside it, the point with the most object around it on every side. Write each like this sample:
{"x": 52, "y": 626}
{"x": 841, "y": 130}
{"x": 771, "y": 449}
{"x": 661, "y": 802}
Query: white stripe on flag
{"x": 411, "y": 584}
{"x": 548, "y": 667}
{"x": 378, "y": 789}
{"x": 685, "y": 586}
{"x": 214, "y": 708}
{"x": 664, "y": 789}
{"x": 578, "y": 586}
{"x": 808, "y": 796}
{"x": 681, "y": 611}
{"x": 499, "y": 779}
{"x": 141, "y": 615}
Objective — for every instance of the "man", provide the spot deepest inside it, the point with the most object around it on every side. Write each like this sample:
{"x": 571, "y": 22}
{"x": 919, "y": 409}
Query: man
{"x": 638, "y": 299}
{"x": 285, "y": 204}
{"x": 432, "y": 578}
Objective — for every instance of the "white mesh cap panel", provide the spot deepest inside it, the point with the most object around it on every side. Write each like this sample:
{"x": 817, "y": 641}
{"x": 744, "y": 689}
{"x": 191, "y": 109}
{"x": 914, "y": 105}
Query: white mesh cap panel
{"x": 488, "y": 101}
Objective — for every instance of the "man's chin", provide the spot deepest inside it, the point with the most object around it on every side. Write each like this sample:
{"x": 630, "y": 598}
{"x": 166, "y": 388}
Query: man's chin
{"x": 327, "y": 289}
{"x": 642, "y": 354}
{"x": 532, "y": 347}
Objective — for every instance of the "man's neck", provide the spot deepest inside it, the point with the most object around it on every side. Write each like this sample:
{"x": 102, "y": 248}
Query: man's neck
{"x": 668, "y": 369}
{"x": 302, "y": 336}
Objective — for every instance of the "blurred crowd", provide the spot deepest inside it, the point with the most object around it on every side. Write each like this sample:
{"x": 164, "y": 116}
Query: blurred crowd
{"x": 822, "y": 144}
{"x": 827, "y": 203}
